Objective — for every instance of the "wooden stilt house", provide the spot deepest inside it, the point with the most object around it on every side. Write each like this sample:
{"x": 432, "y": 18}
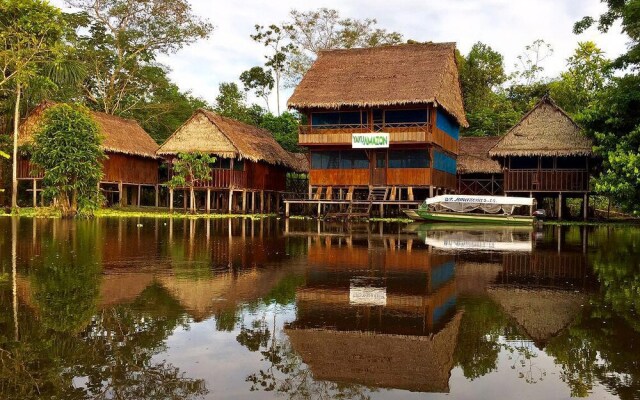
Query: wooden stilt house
{"x": 546, "y": 155}
{"x": 131, "y": 166}
{"x": 382, "y": 118}
{"x": 478, "y": 174}
{"x": 251, "y": 167}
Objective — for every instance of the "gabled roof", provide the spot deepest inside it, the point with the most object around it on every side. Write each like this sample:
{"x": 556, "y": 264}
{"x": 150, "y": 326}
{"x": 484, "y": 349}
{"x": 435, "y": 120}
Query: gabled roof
{"x": 383, "y": 76}
{"x": 473, "y": 155}
{"x": 546, "y": 130}
{"x": 208, "y": 132}
{"x": 120, "y": 135}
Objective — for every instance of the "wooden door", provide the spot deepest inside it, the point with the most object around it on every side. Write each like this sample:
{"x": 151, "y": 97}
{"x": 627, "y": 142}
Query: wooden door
{"x": 379, "y": 168}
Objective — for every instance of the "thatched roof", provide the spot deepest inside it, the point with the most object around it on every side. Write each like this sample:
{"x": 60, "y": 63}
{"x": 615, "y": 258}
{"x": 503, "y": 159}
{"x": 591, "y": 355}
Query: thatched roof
{"x": 416, "y": 363}
{"x": 546, "y": 130}
{"x": 473, "y": 155}
{"x": 383, "y": 76}
{"x": 541, "y": 313}
{"x": 301, "y": 162}
{"x": 120, "y": 135}
{"x": 208, "y": 132}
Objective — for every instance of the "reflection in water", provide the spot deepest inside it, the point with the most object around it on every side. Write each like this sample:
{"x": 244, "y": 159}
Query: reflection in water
{"x": 235, "y": 308}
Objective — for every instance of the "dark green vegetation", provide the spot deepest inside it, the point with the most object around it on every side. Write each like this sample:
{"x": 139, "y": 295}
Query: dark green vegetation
{"x": 67, "y": 148}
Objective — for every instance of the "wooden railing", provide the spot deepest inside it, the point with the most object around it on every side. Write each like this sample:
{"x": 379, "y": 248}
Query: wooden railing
{"x": 480, "y": 187}
{"x": 341, "y": 133}
{"x": 26, "y": 169}
{"x": 546, "y": 180}
{"x": 224, "y": 178}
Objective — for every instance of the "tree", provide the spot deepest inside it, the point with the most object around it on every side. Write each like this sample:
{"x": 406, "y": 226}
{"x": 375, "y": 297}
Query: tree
{"x": 612, "y": 118}
{"x": 284, "y": 129}
{"x": 587, "y": 74}
{"x": 273, "y": 37}
{"x": 482, "y": 75}
{"x": 231, "y": 103}
{"x": 123, "y": 38}
{"x": 190, "y": 169}
{"x": 529, "y": 67}
{"x": 321, "y": 29}
{"x": 30, "y": 31}
{"x": 67, "y": 148}
{"x": 260, "y": 81}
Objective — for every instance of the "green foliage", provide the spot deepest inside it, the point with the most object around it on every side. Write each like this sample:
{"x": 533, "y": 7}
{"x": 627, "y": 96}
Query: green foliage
{"x": 588, "y": 72}
{"x": 284, "y": 129}
{"x": 67, "y": 148}
{"x": 488, "y": 109}
{"x": 260, "y": 81}
{"x": 188, "y": 170}
{"x": 231, "y": 102}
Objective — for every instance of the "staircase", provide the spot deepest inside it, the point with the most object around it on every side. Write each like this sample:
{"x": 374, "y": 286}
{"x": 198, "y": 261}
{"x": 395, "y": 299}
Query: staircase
{"x": 362, "y": 209}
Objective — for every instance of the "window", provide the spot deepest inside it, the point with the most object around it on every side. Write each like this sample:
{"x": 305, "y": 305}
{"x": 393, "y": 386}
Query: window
{"x": 398, "y": 117}
{"x": 408, "y": 159}
{"x": 327, "y": 119}
{"x": 447, "y": 124}
{"x": 572, "y": 163}
{"x": 524, "y": 163}
{"x": 222, "y": 163}
{"x": 339, "y": 160}
{"x": 353, "y": 160}
{"x": 444, "y": 162}
{"x": 238, "y": 165}
{"x": 546, "y": 162}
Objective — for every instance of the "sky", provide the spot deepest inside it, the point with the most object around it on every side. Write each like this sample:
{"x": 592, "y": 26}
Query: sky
{"x": 506, "y": 25}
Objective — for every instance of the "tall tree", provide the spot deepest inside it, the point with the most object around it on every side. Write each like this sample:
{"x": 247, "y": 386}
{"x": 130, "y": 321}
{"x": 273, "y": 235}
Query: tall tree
{"x": 31, "y": 31}
{"x": 274, "y": 38}
{"x": 612, "y": 119}
{"x": 284, "y": 129}
{"x": 231, "y": 102}
{"x": 260, "y": 81}
{"x": 123, "y": 38}
{"x": 482, "y": 75}
{"x": 67, "y": 149}
{"x": 315, "y": 30}
{"x": 587, "y": 74}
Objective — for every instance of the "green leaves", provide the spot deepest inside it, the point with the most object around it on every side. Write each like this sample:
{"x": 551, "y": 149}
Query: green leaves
{"x": 191, "y": 168}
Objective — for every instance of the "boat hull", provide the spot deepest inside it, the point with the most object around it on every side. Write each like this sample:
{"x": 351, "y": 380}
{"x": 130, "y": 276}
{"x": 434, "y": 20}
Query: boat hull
{"x": 424, "y": 215}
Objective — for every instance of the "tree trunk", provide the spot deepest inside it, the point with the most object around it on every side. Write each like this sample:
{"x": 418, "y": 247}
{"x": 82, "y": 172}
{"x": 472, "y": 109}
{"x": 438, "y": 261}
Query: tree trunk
{"x": 16, "y": 125}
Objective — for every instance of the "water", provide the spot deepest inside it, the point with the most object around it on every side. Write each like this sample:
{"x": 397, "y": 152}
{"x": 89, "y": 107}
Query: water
{"x": 137, "y": 309}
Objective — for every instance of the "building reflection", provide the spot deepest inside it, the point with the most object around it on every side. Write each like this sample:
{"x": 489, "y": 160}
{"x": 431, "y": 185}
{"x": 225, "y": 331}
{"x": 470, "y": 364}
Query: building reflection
{"x": 377, "y": 310}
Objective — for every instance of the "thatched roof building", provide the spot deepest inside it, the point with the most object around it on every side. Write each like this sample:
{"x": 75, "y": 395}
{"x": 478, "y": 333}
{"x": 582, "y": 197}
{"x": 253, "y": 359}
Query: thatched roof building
{"x": 383, "y": 76}
{"x": 541, "y": 313}
{"x": 415, "y": 363}
{"x": 546, "y": 130}
{"x": 473, "y": 156}
{"x": 211, "y": 133}
{"x": 120, "y": 135}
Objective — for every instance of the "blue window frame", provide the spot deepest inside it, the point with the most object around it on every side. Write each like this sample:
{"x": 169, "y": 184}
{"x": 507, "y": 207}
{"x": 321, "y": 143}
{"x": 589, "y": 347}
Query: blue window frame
{"x": 447, "y": 124}
{"x": 444, "y": 162}
{"x": 408, "y": 159}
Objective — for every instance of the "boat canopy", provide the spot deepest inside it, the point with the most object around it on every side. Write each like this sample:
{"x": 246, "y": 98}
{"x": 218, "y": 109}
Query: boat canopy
{"x": 466, "y": 203}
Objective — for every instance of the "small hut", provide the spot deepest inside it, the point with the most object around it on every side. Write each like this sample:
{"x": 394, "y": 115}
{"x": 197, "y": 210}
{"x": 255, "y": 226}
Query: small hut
{"x": 478, "y": 174}
{"x": 546, "y": 155}
{"x": 249, "y": 162}
{"x": 131, "y": 164}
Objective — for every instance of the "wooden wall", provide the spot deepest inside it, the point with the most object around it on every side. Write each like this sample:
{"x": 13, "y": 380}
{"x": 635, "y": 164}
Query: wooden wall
{"x": 408, "y": 176}
{"x": 443, "y": 179}
{"x": 339, "y": 177}
{"x": 262, "y": 176}
{"x": 130, "y": 169}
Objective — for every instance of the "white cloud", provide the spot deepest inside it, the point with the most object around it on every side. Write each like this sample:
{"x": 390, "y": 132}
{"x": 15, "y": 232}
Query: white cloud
{"x": 505, "y": 25}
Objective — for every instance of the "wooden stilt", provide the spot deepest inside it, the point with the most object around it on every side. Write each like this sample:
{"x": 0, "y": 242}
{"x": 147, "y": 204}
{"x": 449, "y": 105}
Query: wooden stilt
{"x": 230, "y": 201}
{"x": 244, "y": 201}
{"x": 319, "y": 209}
{"x": 381, "y": 210}
{"x": 157, "y": 193}
{"x": 35, "y": 193}
{"x": 253, "y": 202}
{"x": 585, "y": 206}
{"x": 277, "y": 194}
{"x": 286, "y": 210}
{"x": 121, "y": 193}
{"x": 208, "y": 205}
{"x": 560, "y": 206}
{"x": 171, "y": 199}
{"x": 138, "y": 199}
{"x": 430, "y": 191}
{"x": 262, "y": 201}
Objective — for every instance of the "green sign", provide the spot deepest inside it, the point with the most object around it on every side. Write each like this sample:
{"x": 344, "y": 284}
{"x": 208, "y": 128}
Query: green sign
{"x": 369, "y": 140}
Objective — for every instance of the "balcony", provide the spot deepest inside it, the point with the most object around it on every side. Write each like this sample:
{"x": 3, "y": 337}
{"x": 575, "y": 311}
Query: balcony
{"x": 546, "y": 180}
{"x": 401, "y": 132}
{"x": 224, "y": 179}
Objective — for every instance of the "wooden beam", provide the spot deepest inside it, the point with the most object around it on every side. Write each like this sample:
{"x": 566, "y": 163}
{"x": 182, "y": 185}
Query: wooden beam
{"x": 139, "y": 195}
{"x": 157, "y": 193}
{"x": 208, "y": 205}
{"x": 35, "y": 193}
{"x": 171, "y": 199}
{"x": 121, "y": 193}
{"x": 230, "y": 201}
{"x": 286, "y": 211}
{"x": 244, "y": 201}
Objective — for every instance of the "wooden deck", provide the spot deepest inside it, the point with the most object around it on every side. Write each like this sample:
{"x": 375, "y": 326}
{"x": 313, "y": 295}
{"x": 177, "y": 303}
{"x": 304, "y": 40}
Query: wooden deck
{"x": 320, "y": 204}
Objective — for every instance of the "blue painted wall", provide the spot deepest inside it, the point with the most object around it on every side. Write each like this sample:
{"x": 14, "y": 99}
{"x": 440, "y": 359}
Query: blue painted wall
{"x": 447, "y": 124}
{"x": 444, "y": 162}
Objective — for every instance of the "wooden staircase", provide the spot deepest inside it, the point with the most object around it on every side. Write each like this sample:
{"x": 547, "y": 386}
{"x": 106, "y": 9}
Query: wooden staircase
{"x": 362, "y": 209}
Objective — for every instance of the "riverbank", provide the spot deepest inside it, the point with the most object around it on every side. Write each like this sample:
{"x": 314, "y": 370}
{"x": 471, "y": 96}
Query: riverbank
{"x": 132, "y": 212}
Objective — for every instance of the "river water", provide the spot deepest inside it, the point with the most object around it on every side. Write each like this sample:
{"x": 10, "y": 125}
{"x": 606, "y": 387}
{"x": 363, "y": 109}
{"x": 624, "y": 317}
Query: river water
{"x": 268, "y": 308}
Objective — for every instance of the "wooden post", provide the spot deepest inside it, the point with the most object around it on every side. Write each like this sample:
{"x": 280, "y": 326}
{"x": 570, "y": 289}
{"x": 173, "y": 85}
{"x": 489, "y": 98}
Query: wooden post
{"x": 171, "y": 199}
{"x": 139, "y": 195}
{"x": 585, "y": 205}
{"x": 560, "y": 206}
{"x": 244, "y": 201}
{"x": 121, "y": 193}
{"x": 208, "y": 206}
{"x": 381, "y": 210}
{"x": 531, "y": 208}
{"x": 286, "y": 210}
{"x": 430, "y": 191}
{"x": 262, "y": 202}
{"x": 230, "y": 201}
{"x": 253, "y": 202}
{"x": 319, "y": 208}
{"x": 184, "y": 200}
{"x": 35, "y": 193}
{"x": 157, "y": 193}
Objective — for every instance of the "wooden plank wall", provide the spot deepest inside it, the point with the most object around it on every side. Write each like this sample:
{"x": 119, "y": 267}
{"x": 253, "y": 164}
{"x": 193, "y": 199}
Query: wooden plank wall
{"x": 130, "y": 169}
